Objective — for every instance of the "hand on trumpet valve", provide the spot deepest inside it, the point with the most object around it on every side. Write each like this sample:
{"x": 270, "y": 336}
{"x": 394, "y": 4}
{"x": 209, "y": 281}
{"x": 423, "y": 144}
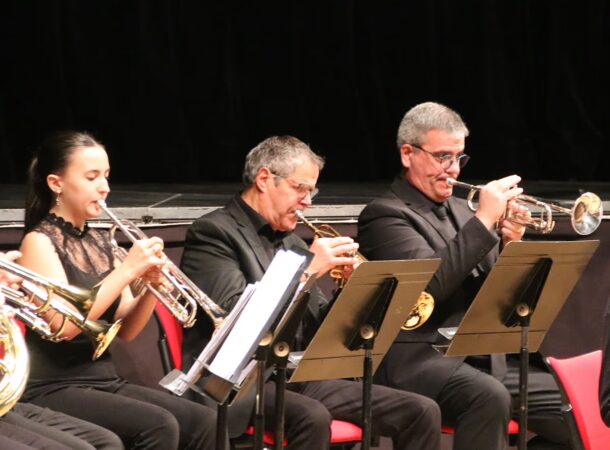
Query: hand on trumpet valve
{"x": 511, "y": 226}
{"x": 145, "y": 254}
{"x": 157, "y": 279}
{"x": 494, "y": 197}
{"x": 332, "y": 252}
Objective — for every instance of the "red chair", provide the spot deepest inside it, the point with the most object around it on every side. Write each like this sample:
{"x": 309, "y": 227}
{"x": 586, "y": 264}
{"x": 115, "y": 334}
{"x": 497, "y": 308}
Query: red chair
{"x": 578, "y": 380}
{"x": 340, "y": 432}
{"x": 513, "y": 428}
{"x": 173, "y": 334}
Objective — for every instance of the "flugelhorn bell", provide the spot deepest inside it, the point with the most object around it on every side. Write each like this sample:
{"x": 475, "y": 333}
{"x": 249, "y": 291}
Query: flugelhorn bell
{"x": 421, "y": 311}
{"x": 585, "y": 214}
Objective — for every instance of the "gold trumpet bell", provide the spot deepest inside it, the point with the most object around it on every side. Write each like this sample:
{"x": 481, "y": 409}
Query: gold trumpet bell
{"x": 102, "y": 334}
{"x": 420, "y": 313}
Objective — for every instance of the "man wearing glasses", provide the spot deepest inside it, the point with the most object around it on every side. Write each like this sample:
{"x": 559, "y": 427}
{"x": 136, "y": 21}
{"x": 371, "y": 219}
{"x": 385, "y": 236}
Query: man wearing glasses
{"x": 419, "y": 218}
{"x": 231, "y": 247}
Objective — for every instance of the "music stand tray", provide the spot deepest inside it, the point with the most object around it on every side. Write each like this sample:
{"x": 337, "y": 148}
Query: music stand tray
{"x": 518, "y": 303}
{"x": 483, "y": 330}
{"x": 327, "y": 356}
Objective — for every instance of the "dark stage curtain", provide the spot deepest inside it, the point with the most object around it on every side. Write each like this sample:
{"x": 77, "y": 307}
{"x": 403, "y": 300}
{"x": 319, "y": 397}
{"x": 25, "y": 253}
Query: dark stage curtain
{"x": 179, "y": 91}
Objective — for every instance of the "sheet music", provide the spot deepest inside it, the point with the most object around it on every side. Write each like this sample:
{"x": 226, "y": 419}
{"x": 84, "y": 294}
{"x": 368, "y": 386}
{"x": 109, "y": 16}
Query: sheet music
{"x": 177, "y": 381}
{"x": 258, "y": 314}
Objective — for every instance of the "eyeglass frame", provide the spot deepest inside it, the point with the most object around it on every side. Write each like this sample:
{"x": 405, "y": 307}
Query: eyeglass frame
{"x": 461, "y": 160}
{"x": 301, "y": 188}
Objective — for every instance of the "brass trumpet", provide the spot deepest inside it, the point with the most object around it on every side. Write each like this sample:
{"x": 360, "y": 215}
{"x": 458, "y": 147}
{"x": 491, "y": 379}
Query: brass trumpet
{"x": 585, "y": 215}
{"x": 15, "y": 364}
{"x": 325, "y": 230}
{"x": 421, "y": 311}
{"x": 183, "y": 304}
{"x": 71, "y": 303}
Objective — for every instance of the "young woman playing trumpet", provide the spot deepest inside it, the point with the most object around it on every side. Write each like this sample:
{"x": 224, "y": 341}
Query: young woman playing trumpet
{"x": 67, "y": 177}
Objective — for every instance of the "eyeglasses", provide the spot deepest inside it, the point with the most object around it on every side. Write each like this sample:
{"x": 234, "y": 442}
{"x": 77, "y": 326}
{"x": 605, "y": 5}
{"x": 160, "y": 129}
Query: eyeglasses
{"x": 301, "y": 188}
{"x": 446, "y": 160}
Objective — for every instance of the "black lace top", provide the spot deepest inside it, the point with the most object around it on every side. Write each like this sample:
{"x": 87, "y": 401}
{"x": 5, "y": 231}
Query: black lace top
{"x": 86, "y": 256}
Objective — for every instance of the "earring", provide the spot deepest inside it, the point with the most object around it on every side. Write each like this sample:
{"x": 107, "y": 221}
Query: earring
{"x": 58, "y": 193}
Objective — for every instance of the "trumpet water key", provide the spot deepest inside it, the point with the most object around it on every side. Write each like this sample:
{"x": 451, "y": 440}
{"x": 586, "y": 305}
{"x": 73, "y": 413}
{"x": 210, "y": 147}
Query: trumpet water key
{"x": 183, "y": 303}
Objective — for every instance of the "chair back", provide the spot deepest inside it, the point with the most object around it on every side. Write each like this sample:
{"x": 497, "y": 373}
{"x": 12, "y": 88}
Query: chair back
{"x": 173, "y": 334}
{"x": 578, "y": 379}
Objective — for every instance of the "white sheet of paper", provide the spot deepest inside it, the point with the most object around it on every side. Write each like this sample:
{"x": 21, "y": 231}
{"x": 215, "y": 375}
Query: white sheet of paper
{"x": 257, "y": 315}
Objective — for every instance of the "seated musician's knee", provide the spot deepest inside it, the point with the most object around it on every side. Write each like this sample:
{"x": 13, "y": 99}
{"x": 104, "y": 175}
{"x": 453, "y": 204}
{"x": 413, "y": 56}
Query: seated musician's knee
{"x": 165, "y": 433}
{"x": 317, "y": 418}
{"x": 430, "y": 412}
{"x": 493, "y": 400}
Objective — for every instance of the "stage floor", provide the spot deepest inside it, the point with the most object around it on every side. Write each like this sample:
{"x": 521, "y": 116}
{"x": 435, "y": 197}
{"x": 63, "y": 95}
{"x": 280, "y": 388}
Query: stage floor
{"x": 336, "y": 201}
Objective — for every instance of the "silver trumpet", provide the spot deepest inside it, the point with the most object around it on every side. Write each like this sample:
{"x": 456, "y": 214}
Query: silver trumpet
{"x": 39, "y": 295}
{"x": 183, "y": 303}
{"x": 585, "y": 215}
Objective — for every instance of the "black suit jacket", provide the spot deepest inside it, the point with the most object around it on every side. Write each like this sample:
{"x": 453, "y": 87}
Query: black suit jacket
{"x": 401, "y": 225}
{"x": 604, "y": 379}
{"x": 222, "y": 254}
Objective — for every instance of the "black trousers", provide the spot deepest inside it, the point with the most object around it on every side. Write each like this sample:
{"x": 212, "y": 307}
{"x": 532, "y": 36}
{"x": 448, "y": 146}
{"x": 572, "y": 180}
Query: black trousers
{"x": 479, "y": 406}
{"x": 14, "y": 437}
{"x": 411, "y": 420}
{"x": 142, "y": 417}
{"x": 71, "y": 432}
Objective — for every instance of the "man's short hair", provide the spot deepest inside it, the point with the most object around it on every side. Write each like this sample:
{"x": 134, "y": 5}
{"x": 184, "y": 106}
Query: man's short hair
{"x": 428, "y": 116}
{"x": 281, "y": 155}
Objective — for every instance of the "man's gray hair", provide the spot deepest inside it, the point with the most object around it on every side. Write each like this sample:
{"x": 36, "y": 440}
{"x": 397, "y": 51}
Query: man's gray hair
{"x": 428, "y": 116}
{"x": 281, "y": 155}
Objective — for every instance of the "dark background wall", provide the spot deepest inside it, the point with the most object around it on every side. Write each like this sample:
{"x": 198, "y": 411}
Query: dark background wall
{"x": 179, "y": 91}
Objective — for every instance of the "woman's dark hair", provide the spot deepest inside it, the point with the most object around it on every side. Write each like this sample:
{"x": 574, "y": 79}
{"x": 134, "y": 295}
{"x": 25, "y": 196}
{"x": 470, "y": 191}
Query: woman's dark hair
{"x": 51, "y": 157}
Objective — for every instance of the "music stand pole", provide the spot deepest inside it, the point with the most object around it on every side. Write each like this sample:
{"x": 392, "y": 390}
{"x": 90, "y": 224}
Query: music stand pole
{"x": 281, "y": 351}
{"x": 523, "y": 377}
{"x": 259, "y": 406}
{"x": 364, "y": 338}
{"x": 367, "y": 384}
{"x": 520, "y": 316}
{"x": 221, "y": 425}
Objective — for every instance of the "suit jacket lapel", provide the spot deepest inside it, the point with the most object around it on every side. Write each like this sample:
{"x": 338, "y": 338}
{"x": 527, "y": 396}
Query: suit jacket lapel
{"x": 252, "y": 239}
{"x": 413, "y": 199}
{"x": 249, "y": 234}
{"x": 463, "y": 215}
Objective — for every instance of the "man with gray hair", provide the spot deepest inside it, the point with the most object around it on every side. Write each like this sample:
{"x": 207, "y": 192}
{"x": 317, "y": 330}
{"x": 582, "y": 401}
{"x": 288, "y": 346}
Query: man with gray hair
{"x": 419, "y": 218}
{"x": 233, "y": 246}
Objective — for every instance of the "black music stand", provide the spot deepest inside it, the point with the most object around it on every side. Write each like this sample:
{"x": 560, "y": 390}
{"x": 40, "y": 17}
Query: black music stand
{"x": 278, "y": 358}
{"x": 362, "y": 324}
{"x": 223, "y": 361}
{"x": 518, "y": 303}
{"x": 275, "y": 357}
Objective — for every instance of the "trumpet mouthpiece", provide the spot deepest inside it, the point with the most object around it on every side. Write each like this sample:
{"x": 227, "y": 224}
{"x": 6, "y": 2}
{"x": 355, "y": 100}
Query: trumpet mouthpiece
{"x": 299, "y": 214}
{"x": 451, "y": 181}
{"x": 101, "y": 202}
